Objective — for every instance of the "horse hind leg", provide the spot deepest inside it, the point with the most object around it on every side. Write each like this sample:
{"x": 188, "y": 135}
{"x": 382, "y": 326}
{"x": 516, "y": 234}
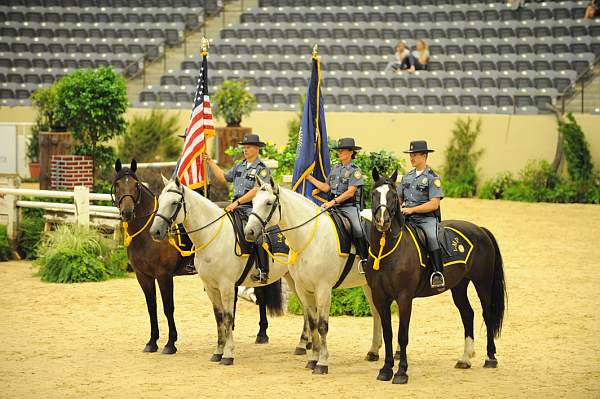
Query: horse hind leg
{"x": 483, "y": 291}
{"x": 376, "y": 341}
{"x": 165, "y": 283}
{"x": 461, "y": 300}
{"x": 263, "y": 324}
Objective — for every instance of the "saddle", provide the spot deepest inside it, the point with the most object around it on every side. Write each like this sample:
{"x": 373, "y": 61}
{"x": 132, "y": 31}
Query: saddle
{"x": 456, "y": 247}
{"x": 344, "y": 230}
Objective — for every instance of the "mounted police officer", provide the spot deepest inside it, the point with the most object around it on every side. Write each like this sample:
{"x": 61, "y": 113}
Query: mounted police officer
{"x": 344, "y": 184}
{"x": 420, "y": 193}
{"x": 243, "y": 176}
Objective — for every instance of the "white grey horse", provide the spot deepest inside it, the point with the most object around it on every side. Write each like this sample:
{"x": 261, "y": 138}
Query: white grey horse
{"x": 215, "y": 261}
{"x": 315, "y": 262}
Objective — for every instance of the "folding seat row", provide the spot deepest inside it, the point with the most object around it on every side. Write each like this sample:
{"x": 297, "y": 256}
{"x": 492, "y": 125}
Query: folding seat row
{"x": 211, "y": 5}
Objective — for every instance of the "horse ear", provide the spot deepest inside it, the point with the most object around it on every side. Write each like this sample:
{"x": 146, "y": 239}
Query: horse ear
{"x": 375, "y": 174}
{"x": 394, "y": 176}
{"x": 259, "y": 181}
{"x": 276, "y": 189}
{"x": 118, "y": 165}
{"x": 133, "y": 165}
{"x": 177, "y": 182}
{"x": 271, "y": 181}
{"x": 164, "y": 179}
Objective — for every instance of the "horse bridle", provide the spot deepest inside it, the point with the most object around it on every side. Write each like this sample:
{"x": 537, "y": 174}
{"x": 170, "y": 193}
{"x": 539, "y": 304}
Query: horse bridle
{"x": 391, "y": 210}
{"x": 275, "y": 206}
{"x": 138, "y": 185}
{"x": 180, "y": 204}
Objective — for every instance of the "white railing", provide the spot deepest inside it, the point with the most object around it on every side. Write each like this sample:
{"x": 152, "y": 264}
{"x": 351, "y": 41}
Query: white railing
{"x": 80, "y": 207}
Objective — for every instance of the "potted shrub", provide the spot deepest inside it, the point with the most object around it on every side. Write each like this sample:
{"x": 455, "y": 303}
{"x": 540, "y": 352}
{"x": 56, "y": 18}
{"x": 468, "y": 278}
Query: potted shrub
{"x": 91, "y": 103}
{"x": 47, "y": 131}
{"x": 232, "y": 102}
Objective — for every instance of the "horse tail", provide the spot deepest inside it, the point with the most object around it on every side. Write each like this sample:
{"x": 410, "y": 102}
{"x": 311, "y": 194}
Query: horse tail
{"x": 499, "y": 295}
{"x": 270, "y": 295}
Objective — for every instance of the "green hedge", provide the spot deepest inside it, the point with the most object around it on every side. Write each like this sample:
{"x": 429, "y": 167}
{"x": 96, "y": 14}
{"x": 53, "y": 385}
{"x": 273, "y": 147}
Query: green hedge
{"x": 344, "y": 302}
{"x": 74, "y": 254}
{"x": 5, "y": 252}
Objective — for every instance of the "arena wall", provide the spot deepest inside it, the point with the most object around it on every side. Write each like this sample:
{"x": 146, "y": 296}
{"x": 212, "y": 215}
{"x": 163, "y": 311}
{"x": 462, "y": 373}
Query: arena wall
{"x": 509, "y": 141}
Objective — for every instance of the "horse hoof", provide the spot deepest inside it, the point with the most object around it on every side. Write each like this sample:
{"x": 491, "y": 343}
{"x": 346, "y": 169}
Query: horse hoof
{"x": 216, "y": 357}
{"x": 397, "y": 355}
{"x": 400, "y": 379}
{"x": 227, "y": 361}
{"x": 490, "y": 363}
{"x": 385, "y": 375}
{"x": 311, "y": 364}
{"x": 461, "y": 364}
{"x": 169, "y": 350}
{"x": 261, "y": 339}
{"x": 299, "y": 351}
{"x": 309, "y": 346}
{"x": 151, "y": 348}
{"x": 319, "y": 369}
{"x": 372, "y": 357}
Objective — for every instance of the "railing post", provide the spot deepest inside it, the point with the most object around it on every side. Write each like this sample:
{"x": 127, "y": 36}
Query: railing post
{"x": 10, "y": 202}
{"x": 82, "y": 205}
{"x": 582, "y": 99}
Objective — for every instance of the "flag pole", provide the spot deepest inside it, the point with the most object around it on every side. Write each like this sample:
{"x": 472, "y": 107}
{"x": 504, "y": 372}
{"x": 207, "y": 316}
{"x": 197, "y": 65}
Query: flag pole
{"x": 204, "y": 53}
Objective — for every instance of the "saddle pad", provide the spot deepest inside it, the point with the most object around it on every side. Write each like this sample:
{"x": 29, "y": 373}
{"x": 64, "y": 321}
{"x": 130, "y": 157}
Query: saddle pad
{"x": 344, "y": 239}
{"x": 275, "y": 239}
{"x": 456, "y": 247}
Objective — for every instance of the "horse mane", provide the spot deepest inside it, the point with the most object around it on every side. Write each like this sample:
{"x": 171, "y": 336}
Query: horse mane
{"x": 300, "y": 196}
{"x": 198, "y": 196}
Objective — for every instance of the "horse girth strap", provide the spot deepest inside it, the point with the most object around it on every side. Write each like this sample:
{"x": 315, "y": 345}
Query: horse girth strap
{"x": 127, "y": 238}
{"x": 380, "y": 256}
{"x": 347, "y": 267}
{"x": 246, "y": 270}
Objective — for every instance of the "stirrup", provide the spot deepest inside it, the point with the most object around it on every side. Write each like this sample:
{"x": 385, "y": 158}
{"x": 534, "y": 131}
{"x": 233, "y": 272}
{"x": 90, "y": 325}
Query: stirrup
{"x": 361, "y": 266}
{"x": 261, "y": 277}
{"x": 439, "y": 285}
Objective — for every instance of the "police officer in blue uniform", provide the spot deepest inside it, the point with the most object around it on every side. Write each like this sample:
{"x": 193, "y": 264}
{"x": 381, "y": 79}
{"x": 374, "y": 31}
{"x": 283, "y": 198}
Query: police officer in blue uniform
{"x": 344, "y": 184}
{"x": 420, "y": 193}
{"x": 243, "y": 176}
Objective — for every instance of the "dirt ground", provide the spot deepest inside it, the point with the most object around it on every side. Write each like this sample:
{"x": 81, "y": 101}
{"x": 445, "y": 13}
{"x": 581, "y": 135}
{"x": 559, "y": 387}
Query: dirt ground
{"x": 86, "y": 340}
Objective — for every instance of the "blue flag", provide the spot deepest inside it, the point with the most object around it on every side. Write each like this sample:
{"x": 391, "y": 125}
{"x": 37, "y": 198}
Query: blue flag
{"x": 312, "y": 154}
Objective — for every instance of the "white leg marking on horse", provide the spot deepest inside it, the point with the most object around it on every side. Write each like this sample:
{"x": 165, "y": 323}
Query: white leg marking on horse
{"x": 469, "y": 351}
{"x": 382, "y": 190}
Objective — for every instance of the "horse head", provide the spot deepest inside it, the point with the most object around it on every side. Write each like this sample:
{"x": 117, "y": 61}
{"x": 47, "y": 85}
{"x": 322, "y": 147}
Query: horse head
{"x": 170, "y": 202}
{"x": 384, "y": 200}
{"x": 126, "y": 190}
{"x": 264, "y": 207}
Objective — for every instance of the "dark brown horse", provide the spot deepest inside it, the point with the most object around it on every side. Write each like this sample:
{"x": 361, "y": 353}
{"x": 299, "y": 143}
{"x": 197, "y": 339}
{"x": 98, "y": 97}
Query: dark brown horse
{"x": 159, "y": 261}
{"x": 401, "y": 278}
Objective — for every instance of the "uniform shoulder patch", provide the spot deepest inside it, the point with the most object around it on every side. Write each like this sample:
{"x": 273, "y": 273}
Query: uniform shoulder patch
{"x": 263, "y": 173}
{"x": 437, "y": 182}
{"x": 357, "y": 174}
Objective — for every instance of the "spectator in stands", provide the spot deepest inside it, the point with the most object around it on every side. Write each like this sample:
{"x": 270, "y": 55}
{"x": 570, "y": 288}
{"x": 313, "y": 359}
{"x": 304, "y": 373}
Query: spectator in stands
{"x": 420, "y": 57}
{"x": 515, "y": 4}
{"x": 401, "y": 60}
{"x": 593, "y": 10}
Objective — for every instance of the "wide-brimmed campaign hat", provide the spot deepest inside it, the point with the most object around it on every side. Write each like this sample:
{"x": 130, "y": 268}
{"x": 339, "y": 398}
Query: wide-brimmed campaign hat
{"x": 252, "y": 139}
{"x": 418, "y": 146}
{"x": 347, "y": 143}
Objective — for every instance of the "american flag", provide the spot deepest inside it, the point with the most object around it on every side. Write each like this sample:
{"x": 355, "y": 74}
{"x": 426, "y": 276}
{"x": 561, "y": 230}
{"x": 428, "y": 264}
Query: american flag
{"x": 190, "y": 168}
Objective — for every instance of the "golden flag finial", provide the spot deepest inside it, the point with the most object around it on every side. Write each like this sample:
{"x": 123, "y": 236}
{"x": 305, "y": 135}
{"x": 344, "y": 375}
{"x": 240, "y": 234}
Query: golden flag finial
{"x": 315, "y": 51}
{"x": 204, "y": 46}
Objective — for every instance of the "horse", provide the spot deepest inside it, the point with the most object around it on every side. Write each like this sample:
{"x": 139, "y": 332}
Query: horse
{"x": 217, "y": 263}
{"x": 395, "y": 273}
{"x": 157, "y": 261}
{"x": 315, "y": 263}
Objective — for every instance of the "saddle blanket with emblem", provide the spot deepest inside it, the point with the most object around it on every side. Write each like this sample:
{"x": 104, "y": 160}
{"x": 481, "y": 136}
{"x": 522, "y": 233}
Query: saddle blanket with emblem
{"x": 456, "y": 246}
{"x": 274, "y": 238}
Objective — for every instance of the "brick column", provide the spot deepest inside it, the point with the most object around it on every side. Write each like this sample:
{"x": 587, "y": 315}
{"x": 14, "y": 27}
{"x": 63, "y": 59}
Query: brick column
{"x": 69, "y": 171}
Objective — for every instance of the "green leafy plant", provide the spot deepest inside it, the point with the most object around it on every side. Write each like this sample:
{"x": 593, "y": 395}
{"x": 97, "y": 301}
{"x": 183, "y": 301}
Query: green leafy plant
{"x": 232, "y": 102}
{"x": 31, "y": 229}
{"x": 385, "y": 162}
{"x": 344, "y": 302}
{"x": 91, "y": 103}
{"x": 5, "y": 252}
{"x": 151, "y": 138}
{"x": 73, "y": 254}
{"x": 43, "y": 101}
{"x": 495, "y": 188}
{"x": 460, "y": 168}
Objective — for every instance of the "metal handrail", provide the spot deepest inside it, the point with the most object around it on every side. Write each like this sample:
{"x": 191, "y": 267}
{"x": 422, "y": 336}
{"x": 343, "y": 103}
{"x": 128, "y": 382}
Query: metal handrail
{"x": 571, "y": 90}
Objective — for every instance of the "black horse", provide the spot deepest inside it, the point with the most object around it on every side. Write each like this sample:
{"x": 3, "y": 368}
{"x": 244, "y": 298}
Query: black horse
{"x": 395, "y": 272}
{"x": 158, "y": 261}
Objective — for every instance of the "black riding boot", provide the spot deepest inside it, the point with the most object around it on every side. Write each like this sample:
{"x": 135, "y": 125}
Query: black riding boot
{"x": 362, "y": 247}
{"x": 186, "y": 266}
{"x": 262, "y": 265}
{"x": 437, "y": 277}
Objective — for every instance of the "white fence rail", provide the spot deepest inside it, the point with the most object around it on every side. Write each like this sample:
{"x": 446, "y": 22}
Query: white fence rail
{"x": 80, "y": 207}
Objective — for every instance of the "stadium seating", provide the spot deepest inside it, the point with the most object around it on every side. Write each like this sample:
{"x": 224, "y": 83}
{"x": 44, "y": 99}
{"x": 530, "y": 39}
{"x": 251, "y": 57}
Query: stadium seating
{"x": 485, "y": 57}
